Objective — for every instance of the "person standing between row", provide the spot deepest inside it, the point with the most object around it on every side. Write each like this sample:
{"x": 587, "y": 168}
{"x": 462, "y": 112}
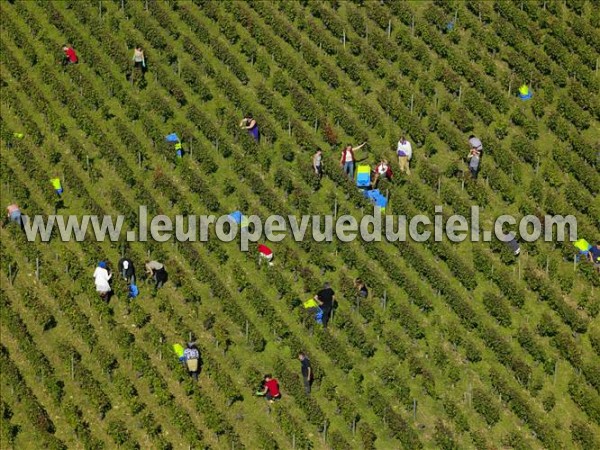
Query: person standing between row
{"x": 348, "y": 159}
{"x": 139, "y": 64}
{"x": 404, "y": 152}
{"x": 326, "y": 298}
{"x": 192, "y": 358}
{"x": 474, "y": 155}
{"x": 317, "y": 162}
{"x": 102, "y": 278}
{"x": 307, "y": 375}
{"x": 251, "y": 126}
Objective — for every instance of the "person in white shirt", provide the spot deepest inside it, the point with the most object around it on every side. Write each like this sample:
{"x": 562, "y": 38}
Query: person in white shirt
{"x": 192, "y": 359}
{"x": 383, "y": 169}
{"x": 474, "y": 155}
{"x": 404, "y": 155}
{"x": 102, "y": 278}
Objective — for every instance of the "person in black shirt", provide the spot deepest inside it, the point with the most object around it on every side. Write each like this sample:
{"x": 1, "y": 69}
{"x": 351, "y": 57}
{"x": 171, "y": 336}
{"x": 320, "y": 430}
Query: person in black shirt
{"x": 127, "y": 270}
{"x": 307, "y": 375}
{"x": 325, "y": 298}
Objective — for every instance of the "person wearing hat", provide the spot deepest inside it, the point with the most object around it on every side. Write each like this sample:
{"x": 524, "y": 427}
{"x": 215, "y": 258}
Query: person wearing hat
{"x": 192, "y": 358}
{"x": 127, "y": 270}
{"x": 102, "y": 278}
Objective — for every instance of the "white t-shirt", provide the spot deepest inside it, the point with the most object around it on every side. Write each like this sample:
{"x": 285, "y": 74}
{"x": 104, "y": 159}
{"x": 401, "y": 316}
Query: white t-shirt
{"x": 101, "y": 278}
{"x": 349, "y": 157}
{"x": 404, "y": 149}
{"x": 382, "y": 169}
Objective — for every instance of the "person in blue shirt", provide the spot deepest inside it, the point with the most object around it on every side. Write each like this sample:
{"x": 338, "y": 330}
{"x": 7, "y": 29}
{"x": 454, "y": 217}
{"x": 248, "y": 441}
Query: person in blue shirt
{"x": 594, "y": 255}
{"x": 133, "y": 291}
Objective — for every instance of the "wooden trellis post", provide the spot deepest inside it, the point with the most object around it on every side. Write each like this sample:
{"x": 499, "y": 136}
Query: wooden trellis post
{"x": 389, "y": 30}
{"x": 344, "y": 38}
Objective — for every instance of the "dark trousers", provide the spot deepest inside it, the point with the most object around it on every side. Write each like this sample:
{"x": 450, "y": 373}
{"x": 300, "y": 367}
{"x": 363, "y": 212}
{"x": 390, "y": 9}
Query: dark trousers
{"x": 160, "y": 276}
{"x": 268, "y": 396}
{"x": 307, "y": 383}
{"x": 474, "y": 172}
{"x": 326, "y": 315}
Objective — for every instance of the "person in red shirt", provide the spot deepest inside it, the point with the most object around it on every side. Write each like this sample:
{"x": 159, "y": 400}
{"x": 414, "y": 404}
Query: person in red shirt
{"x": 70, "y": 55}
{"x": 265, "y": 253}
{"x": 271, "y": 389}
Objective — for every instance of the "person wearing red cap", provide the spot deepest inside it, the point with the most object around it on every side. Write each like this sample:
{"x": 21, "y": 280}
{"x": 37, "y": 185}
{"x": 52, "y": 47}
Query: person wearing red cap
{"x": 265, "y": 253}
{"x": 70, "y": 55}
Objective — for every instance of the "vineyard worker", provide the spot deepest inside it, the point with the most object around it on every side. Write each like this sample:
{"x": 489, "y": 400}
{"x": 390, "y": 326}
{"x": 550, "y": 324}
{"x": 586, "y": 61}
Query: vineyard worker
{"x": 265, "y": 253}
{"x": 326, "y": 298}
{"x": 271, "y": 389}
{"x": 70, "y": 56}
{"x": 14, "y": 213}
{"x": 474, "y": 155}
{"x": 307, "y": 375}
{"x": 102, "y": 278}
{"x": 348, "y": 159}
{"x": 192, "y": 359}
{"x": 361, "y": 288}
{"x": 126, "y": 269}
{"x": 139, "y": 61}
{"x": 157, "y": 271}
{"x": 250, "y": 124}
{"x": 383, "y": 169}
{"x": 594, "y": 255}
{"x": 133, "y": 291}
{"x": 404, "y": 152}
{"x": 56, "y": 184}
{"x": 317, "y": 162}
